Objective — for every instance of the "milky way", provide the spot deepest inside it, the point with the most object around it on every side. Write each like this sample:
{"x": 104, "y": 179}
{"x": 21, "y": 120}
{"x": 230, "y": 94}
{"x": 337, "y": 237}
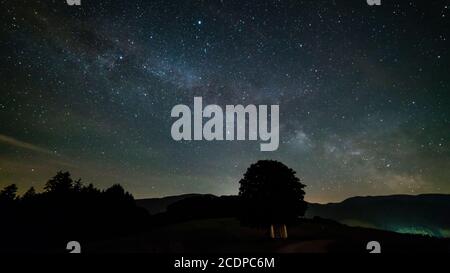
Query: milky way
{"x": 364, "y": 92}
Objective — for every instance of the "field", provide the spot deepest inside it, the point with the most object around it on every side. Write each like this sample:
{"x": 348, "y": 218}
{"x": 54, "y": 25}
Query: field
{"x": 225, "y": 235}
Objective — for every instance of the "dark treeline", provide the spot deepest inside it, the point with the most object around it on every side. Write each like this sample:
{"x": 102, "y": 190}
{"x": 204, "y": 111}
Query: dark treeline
{"x": 66, "y": 210}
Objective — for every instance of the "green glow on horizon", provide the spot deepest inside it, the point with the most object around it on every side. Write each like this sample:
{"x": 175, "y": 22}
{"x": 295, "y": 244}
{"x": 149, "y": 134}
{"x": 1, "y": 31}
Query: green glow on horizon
{"x": 417, "y": 230}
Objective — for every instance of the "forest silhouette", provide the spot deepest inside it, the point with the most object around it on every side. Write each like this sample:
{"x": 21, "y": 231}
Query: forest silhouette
{"x": 69, "y": 210}
{"x": 65, "y": 210}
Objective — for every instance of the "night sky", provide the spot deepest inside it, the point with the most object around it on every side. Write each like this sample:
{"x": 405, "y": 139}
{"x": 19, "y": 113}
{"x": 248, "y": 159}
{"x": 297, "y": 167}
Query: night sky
{"x": 364, "y": 93}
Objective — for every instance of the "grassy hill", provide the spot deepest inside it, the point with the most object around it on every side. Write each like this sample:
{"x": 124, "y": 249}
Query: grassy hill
{"x": 425, "y": 214}
{"x": 159, "y": 205}
{"x": 225, "y": 235}
{"x": 418, "y": 214}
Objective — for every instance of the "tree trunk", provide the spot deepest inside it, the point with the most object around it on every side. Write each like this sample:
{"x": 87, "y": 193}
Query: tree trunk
{"x": 278, "y": 231}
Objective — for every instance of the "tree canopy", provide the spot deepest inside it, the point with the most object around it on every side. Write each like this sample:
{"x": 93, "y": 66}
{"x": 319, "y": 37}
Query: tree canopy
{"x": 271, "y": 193}
{"x": 66, "y": 209}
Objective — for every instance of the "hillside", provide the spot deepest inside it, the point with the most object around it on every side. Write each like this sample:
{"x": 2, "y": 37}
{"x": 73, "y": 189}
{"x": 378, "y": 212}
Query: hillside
{"x": 425, "y": 214}
{"x": 158, "y": 205}
{"x": 419, "y": 214}
{"x": 226, "y": 235}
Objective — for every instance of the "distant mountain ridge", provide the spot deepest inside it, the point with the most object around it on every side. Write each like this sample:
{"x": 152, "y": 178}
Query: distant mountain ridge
{"x": 427, "y": 214}
{"x": 159, "y": 205}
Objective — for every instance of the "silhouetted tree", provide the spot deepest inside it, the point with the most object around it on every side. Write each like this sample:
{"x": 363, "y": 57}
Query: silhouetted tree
{"x": 9, "y": 193}
{"x": 271, "y": 194}
{"x": 117, "y": 192}
{"x": 29, "y": 194}
{"x": 77, "y": 185}
{"x": 65, "y": 210}
{"x": 90, "y": 190}
{"x": 61, "y": 183}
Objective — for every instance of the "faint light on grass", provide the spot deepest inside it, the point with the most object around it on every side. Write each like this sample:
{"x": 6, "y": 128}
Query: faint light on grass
{"x": 417, "y": 230}
{"x": 445, "y": 232}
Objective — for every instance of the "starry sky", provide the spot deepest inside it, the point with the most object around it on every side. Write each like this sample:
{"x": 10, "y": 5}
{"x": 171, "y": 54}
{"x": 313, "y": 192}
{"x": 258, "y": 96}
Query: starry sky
{"x": 364, "y": 92}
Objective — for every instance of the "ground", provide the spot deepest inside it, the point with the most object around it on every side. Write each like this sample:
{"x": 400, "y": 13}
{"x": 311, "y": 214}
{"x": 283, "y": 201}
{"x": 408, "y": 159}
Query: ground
{"x": 226, "y": 235}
